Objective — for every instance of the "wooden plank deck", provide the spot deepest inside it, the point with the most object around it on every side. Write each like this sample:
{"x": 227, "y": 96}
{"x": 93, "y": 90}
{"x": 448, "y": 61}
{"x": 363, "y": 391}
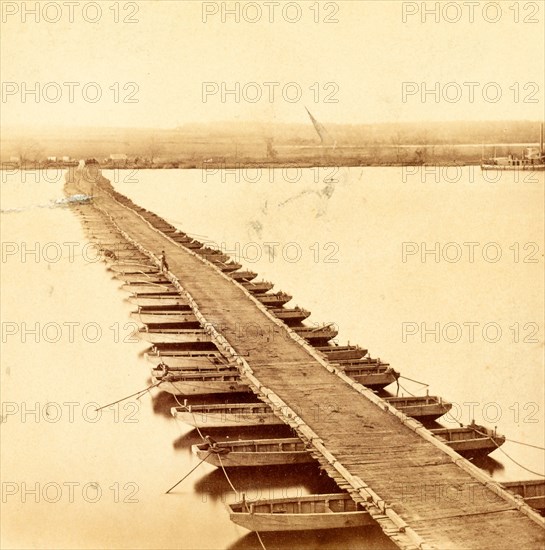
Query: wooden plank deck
{"x": 415, "y": 490}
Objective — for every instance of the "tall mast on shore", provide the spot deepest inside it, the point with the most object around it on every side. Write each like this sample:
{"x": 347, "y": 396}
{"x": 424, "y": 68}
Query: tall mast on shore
{"x": 325, "y": 137}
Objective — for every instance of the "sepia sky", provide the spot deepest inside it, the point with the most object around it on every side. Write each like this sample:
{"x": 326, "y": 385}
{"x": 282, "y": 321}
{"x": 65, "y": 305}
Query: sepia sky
{"x": 363, "y": 60}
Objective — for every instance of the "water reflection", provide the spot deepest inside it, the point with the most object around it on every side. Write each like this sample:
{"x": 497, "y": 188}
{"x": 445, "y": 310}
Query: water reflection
{"x": 266, "y": 482}
{"x": 163, "y": 401}
{"x": 370, "y": 538}
{"x": 488, "y": 464}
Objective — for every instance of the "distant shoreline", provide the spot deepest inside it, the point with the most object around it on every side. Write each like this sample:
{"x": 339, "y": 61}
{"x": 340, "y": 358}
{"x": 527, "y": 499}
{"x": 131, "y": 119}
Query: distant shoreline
{"x": 240, "y": 165}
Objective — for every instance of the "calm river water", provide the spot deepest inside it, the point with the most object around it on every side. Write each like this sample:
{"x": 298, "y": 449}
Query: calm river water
{"x": 466, "y": 317}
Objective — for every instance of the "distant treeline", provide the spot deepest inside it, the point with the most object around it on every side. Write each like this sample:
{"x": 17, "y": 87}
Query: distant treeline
{"x": 195, "y": 144}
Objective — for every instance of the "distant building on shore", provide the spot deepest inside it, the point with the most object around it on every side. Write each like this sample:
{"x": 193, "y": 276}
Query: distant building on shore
{"x": 119, "y": 159}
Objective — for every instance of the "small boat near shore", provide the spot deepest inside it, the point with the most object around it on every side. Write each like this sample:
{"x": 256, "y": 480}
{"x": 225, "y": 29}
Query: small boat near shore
{"x": 531, "y": 159}
{"x": 425, "y": 408}
{"x": 306, "y": 513}
{"x": 226, "y": 416}
{"x": 257, "y": 452}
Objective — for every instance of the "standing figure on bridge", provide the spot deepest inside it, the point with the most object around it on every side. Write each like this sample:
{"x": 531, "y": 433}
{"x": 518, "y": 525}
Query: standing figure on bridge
{"x": 163, "y": 258}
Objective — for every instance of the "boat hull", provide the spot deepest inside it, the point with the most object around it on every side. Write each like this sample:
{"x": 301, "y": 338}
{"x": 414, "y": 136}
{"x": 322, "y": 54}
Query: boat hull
{"x": 257, "y": 288}
{"x": 290, "y": 315}
{"x": 318, "y": 337}
{"x": 374, "y": 380}
{"x": 229, "y": 268}
{"x": 514, "y": 168}
{"x": 424, "y": 412}
{"x": 336, "y": 353}
{"x": 426, "y": 409}
{"x": 188, "y": 386}
{"x": 243, "y": 275}
{"x": 159, "y": 302}
{"x": 471, "y": 448}
{"x": 173, "y": 318}
{"x": 533, "y": 492}
{"x": 225, "y": 419}
{"x": 134, "y": 268}
{"x": 273, "y": 300}
{"x": 306, "y": 514}
{"x": 189, "y": 362}
{"x": 143, "y": 278}
{"x": 181, "y": 337}
{"x": 247, "y": 454}
{"x": 149, "y": 288}
{"x": 471, "y": 441}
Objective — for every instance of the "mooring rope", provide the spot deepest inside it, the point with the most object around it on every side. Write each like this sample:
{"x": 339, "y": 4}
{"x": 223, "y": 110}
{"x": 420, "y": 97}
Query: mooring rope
{"x": 526, "y": 444}
{"x": 237, "y": 493}
{"x": 509, "y": 457}
{"x": 416, "y": 381}
{"x": 226, "y": 476}
{"x": 405, "y": 389}
{"x": 193, "y": 415}
{"x": 190, "y": 471}
{"x": 139, "y": 393}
